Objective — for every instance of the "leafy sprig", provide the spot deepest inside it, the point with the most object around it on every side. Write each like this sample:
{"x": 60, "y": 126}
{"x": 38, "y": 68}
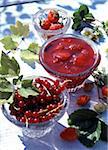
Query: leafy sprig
{"x": 9, "y": 69}
{"x": 84, "y": 18}
{"x": 100, "y": 78}
{"x": 11, "y": 80}
{"x": 9, "y": 43}
{"x": 8, "y": 66}
{"x": 81, "y": 16}
{"x": 20, "y": 29}
{"x": 31, "y": 54}
{"x": 89, "y": 127}
{"x": 12, "y": 42}
{"x": 105, "y": 26}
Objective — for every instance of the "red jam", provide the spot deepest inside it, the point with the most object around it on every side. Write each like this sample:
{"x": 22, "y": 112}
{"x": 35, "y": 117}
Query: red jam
{"x": 69, "y": 56}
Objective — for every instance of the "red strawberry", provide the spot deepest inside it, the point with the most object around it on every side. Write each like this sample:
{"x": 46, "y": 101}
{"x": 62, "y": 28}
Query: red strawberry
{"x": 69, "y": 134}
{"x": 61, "y": 56}
{"x": 45, "y": 24}
{"x": 53, "y": 16}
{"x": 81, "y": 60}
{"x": 83, "y": 100}
{"x": 105, "y": 91}
{"x": 56, "y": 26}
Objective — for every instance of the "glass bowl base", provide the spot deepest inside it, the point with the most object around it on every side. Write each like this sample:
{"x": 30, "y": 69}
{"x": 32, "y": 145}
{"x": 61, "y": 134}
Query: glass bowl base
{"x": 36, "y": 133}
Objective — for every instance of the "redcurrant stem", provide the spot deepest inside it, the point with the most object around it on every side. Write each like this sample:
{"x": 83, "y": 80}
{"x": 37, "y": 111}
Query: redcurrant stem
{"x": 26, "y": 121}
{"x": 16, "y": 108}
{"x": 54, "y": 109}
{"x": 45, "y": 110}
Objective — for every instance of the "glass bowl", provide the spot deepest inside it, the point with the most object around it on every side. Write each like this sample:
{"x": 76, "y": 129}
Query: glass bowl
{"x": 72, "y": 79}
{"x": 42, "y": 14}
{"x": 37, "y": 129}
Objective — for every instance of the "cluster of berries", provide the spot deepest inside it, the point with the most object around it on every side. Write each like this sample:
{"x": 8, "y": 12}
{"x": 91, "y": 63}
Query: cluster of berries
{"x": 43, "y": 107}
{"x": 52, "y": 21}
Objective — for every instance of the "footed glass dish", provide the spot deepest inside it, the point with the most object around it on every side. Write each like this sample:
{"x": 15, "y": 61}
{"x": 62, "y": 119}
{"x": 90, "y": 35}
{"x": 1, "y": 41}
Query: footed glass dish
{"x": 37, "y": 130}
{"x": 41, "y": 15}
{"x": 71, "y": 58}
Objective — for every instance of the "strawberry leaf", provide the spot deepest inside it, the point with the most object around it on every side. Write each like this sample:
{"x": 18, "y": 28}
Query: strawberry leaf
{"x": 81, "y": 115}
{"x": 104, "y": 131}
{"x": 89, "y": 139}
{"x": 8, "y": 43}
{"x": 20, "y": 29}
{"x": 82, "y": 17}
{"x": 83, "y": 10}
{"x": 89, "y": 17}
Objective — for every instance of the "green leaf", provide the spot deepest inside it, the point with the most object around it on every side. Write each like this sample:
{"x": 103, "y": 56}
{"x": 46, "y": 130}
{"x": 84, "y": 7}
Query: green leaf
{"x": 3, "y": 71}
{"x": 81, "y": 17}
{"x": 18, "y": 80}
{"x": 87, "y": 125}
{"x": 100, "y": 78}
{"x": 8, "y": 42}
{"x": 106, "y": 23}
{"x": 105, "y": 26}
{"x": 5, "y": 95}
{"x": 20, "y": 29}
{"x": 5, "y": 85}
{"x": 89, "y": 139}
{"x": 97, "y": 31}
{"x": 34, "y": 47}
{"x": 76, "y": 14}
{"x": 6, "y": 98}
{"x": 9, "y": 65}
{"x": 0, "y": 55}
{"x": 104, "y": 131}
{"x": 25, "y": 92}
{"x": 81, "y": 115}
{"x": 89, "y": 17}
{"x": 76, "y": 26}
{"x": 27, "y": 83}
{"x": 31, "y": 54}
{"x": 95, "y": 136}
{"x": 83, "y": 10}
{"x": 85, "y": 141}
{"x": 76, "y": 20}
{"x": 11, "y": 99}
{"x": 29, "y": 57}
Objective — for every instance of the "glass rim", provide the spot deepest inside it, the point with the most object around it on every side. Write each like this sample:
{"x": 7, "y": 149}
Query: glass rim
{"x": 39, "y": 29}
{"x": 87, "y": 40}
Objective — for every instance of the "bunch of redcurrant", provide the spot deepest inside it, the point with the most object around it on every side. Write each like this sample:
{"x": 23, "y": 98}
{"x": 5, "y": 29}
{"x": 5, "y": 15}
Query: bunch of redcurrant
{"x": 43, "y": 107}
